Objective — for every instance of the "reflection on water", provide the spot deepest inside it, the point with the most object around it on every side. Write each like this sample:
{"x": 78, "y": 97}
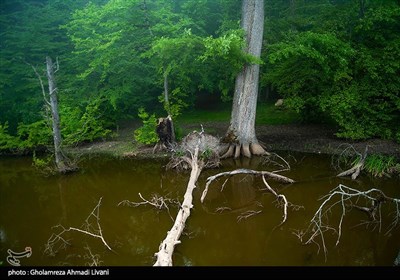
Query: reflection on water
{"x": 30, "y": 205}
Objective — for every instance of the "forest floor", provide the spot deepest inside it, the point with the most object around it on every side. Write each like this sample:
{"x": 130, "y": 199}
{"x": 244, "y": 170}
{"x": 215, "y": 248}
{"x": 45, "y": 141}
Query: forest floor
{"x": 291, "y": 137}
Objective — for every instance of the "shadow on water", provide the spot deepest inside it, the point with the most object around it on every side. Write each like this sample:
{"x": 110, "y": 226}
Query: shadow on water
{"x": 30, "y": 205}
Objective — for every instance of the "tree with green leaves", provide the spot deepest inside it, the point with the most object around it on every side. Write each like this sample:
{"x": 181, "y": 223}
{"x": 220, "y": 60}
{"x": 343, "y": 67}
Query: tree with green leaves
{"x": 241, "y": 134}
{"x": 340, "y": 65}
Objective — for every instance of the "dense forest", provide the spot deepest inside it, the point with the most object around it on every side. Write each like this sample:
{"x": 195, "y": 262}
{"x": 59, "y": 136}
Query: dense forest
{"x": 336, "y": 62}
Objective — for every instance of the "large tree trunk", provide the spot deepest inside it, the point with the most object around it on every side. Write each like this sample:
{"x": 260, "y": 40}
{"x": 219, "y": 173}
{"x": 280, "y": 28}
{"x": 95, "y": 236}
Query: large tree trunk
{"x": 59, "y": 158}
{"x": 241, "y": 133}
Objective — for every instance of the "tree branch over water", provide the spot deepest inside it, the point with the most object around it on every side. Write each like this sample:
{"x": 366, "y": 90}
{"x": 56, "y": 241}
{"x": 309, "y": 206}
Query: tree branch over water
{"x": 345, "y": 198}
{"x": 280, "y": 197}
{"x": 57, "y": 239}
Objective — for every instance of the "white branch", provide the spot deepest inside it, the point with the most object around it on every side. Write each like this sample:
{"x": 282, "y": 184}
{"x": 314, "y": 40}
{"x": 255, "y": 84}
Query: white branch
{"x": 56, "y": 238}
{"x": 318, "y": 227}
{"x": 244, "y": 171}
{"x": 41, "y": 83}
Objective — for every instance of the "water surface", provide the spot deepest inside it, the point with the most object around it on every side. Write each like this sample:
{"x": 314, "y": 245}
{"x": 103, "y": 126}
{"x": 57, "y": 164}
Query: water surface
{"x": 31, "y": 204}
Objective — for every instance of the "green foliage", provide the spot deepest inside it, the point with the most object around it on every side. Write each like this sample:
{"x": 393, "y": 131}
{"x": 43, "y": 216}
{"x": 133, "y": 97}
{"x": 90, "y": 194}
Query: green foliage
{"x": 35, "y": 134}
{"x": 349, "y": 75}
{"x": 93, "y": 124}
{"x": 226, "y": 50}
{"x": 379, "y": 165}
{"x": 29, "y": 137}
{"x": 146, "y": 134}
{"x": 45, "y": 164}
{"x": 206, "y": 154}
{"x": 7, "y": 142}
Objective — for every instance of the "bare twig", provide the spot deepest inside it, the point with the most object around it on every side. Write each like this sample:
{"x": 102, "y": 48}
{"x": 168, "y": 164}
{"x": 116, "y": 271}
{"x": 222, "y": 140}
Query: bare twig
{"x": 41, "y": 83}
{"x": 270, "y": 159}
{"x": 94, "y": 259}
{"x": 156, "y": 201}
{"x": 222, "y": 209}
{"x": 347, "y": 197}
{"x": 57, "y": 239}
{"x": 248, "y": 214}
{"x": 279, "y": 197}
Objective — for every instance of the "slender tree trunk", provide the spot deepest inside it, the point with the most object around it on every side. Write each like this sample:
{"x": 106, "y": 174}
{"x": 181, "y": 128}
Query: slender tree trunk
{"x": 61, "y": 166}
{"x": 167, "y": 107}
{"x": 241, "y": 133}
{"x": 166, "y": 93}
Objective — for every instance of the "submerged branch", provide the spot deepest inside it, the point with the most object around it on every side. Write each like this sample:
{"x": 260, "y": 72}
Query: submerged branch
{"x": 57, "y": 239}
{"x": 346, "y": 197}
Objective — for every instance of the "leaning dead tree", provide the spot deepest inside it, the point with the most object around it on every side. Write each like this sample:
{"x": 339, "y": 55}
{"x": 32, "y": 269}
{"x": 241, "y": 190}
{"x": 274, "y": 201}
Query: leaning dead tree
{"x": 58, "y": 240}
{"x": 345, "y": 198}
{"x": 62, "y": 163}
{"x": 197, "y": 150}
{"x": 280, "y": 197}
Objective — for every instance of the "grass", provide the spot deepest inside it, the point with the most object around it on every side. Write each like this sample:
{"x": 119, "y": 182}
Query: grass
{"x": 379, "y": 165}
{"x": 267, "y": 114}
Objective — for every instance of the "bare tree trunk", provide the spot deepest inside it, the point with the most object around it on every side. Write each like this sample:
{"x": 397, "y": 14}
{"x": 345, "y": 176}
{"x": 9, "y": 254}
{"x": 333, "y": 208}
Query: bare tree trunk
{"x": 166, "y": 94}
{"x": 167, "y": 106}
{"x": 241, "y": 132}
{"x": 166, "y": 249}
{"x": 60, "y": 161}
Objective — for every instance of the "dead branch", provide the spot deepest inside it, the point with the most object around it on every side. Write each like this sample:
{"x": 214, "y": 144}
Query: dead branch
{"x": 355, "y": 170}
{"x": 282, "y": 201}
{"x": 270, "y": 159}
{"x": 57, "y": 239}
{"x": 248, "y": 214}
{"x": 222, "y": 209}
{"x": 271, "y": 175}
{"x": 346, "y": 197}
{"x": 166, "y": 249}
{"x": 208, "y": 146}
{"x": 156, "y": 201}
{"x": 279, "y": 197}
{"x": 40, "y": 82}
{"x": 94, "y": 259}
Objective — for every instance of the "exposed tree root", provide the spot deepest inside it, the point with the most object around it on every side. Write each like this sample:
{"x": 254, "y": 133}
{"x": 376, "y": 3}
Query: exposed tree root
{"x": 247, "y": 150}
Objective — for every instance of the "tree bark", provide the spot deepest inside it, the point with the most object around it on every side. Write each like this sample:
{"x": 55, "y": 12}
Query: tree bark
{"x": 241, "y": 132}
{"x": 166, "y": 249}
{"x": 59, "y": 158}
{"x": 167, "y": 106}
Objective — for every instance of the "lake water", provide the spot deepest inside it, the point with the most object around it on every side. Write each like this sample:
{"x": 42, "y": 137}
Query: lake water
{"x": 32, "y": 204}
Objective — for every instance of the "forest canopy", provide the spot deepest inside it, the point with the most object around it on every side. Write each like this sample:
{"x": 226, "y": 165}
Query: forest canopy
{"x": 333, "y": 61}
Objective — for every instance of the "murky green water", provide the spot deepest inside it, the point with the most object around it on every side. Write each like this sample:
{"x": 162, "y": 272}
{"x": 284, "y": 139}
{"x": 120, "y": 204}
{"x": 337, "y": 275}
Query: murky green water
{"x": 30, "y": 205}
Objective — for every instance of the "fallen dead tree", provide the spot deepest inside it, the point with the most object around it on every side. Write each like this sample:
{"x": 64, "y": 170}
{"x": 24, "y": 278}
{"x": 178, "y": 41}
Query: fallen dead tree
{"x": 166, "y": 249}
{"x": 198, "y": 150}
{"x": 280, "y": 197}
{"x": 346, "y": 198}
